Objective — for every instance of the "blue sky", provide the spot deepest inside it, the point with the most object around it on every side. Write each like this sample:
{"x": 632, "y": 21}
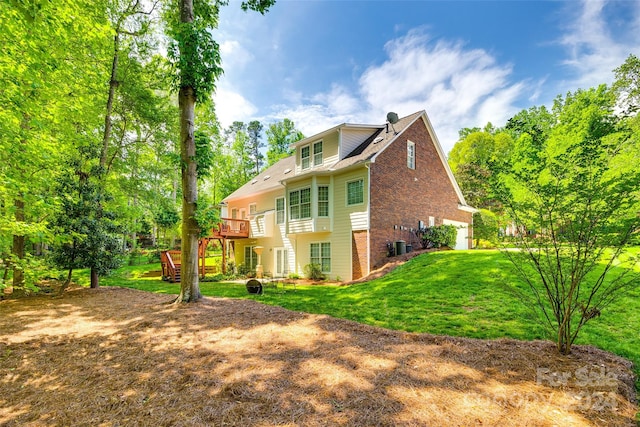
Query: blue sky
{"x": 322, "y": 63}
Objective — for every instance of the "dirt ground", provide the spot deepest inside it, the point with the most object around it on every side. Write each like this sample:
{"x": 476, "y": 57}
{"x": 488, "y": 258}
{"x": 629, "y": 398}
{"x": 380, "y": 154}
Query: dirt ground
{"x": 120, "y": 357}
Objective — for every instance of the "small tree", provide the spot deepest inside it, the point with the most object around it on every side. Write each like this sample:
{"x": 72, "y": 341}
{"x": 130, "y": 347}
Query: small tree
{"x": 89, "y": 232}
{"x": 579, "y": 192}
{"x": 485, "y": 227}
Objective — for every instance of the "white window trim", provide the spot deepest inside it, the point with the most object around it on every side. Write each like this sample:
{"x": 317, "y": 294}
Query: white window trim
{"x": 284, "y": 209}
{"x": 320, "y": 249}
{"x": 310, "y": 158}
{"x": 253, "y": 209}
{"x": 321, "y": 153}
{"x": 411, "y": 155}
{"x": 347, "y": 192}
{"x": 288, "y": 205}
{"x": 326, "y": 201}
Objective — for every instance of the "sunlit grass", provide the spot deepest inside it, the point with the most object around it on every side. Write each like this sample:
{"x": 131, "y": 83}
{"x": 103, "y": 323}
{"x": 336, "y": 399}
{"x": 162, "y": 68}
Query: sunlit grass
{"x": 458, "y": 293}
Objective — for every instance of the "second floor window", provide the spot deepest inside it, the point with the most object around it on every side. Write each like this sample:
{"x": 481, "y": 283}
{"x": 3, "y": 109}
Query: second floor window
{"x": 317, "y": 153}
{"x": 323, "y": 200}
{"x": 305, "y": 157}
{"x": 411, "y": 155}
{"x": 280, "y": 210}
{"x": 300, "y": 204}
{"x": 355, "y": 192}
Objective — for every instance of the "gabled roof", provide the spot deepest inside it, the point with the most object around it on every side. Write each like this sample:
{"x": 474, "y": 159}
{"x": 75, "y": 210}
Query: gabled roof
{"x": 267, "y": 180}
{"x": 381, "y": 137}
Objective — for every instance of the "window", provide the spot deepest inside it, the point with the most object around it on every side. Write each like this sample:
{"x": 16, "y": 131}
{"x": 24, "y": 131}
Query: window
{"x": 317, "y": 153}
{"x": 252, "y": 209}
{"x": 321, "y": 255}
{"x": 355, "y": 192}
{"x": 234, "y": 213}
{"x": 300, "y": 204}
{"x": 305, "y": 157}
{"x": 282, "y": 262}
{"x": 250, "y": 258}
{"x": 432, "y": 221}
{"x": 411, "y": 155}
{"x": 280, "y": 210}
{"x": 323, "y": 200}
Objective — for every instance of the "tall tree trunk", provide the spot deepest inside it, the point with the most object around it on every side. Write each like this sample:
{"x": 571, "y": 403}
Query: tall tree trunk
{"x": 172, "y": 234}
{"x": 113, "y": 83}
{"x": 189, "y": 286}
{"x": 189, "y": 281}
{"x": 18, "y": 244}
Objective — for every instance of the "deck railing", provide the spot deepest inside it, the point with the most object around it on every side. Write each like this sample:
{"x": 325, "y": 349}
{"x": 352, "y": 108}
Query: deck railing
{"x": 232, "y": 228}
{"x": 171, "y": 264}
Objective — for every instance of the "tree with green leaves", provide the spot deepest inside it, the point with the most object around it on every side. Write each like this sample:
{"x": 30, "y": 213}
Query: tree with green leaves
{"x": 574, "y": 197}
{"x": 49, "y": 72}
{"x": 627, "y": 85}
{"x": 254, "y": 130}
{"x": 280, "y": 136}
{"x": 474, "y": 160}
{"x": 90, "y": 229}
{"x": 196, "y": 57}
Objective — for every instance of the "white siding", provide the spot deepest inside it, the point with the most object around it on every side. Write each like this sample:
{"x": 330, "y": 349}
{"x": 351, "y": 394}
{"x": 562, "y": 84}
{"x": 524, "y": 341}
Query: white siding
{"x": 351, "y": 138}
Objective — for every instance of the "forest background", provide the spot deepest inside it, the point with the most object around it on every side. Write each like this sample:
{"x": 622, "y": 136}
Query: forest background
{"x": 89, "y": 139}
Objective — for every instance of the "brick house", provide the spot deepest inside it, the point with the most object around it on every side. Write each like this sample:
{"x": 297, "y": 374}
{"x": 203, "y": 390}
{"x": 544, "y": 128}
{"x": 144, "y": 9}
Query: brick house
{"x": 342, "y": 197}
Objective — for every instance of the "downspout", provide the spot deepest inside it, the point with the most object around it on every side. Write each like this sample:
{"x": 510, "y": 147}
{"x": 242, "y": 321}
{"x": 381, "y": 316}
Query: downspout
{"x": 367, "y": 165}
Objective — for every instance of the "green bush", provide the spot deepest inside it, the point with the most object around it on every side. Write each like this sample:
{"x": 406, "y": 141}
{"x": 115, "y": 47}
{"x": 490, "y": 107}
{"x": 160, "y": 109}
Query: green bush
{"x": 313, "y": 272}
{"x": 438, "y": 236}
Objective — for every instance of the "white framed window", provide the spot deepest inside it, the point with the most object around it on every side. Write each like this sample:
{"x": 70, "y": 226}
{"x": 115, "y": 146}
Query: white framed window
{"x": 305, "y": 157}
{"x": 300, "y": 204}
{"x": 411, "y": 155}
{"x": 317, "y": 153}
{"x": 252, "y": 209}
{"x": 321, "y": 255}
{"x": 355, "y": 192}
{"x": 234, "y": 213}
{"x": 250, "y": 258}
{"x": 323, "y": 200}
{"x": 282, "y": 262}
{"x": 280, "y": 210}
{"x": 432, "y": 221}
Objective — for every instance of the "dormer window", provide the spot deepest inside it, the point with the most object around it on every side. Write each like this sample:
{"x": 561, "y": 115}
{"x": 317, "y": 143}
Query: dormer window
{"x": 317, "y": 153}
{"x": 305, "y": 157}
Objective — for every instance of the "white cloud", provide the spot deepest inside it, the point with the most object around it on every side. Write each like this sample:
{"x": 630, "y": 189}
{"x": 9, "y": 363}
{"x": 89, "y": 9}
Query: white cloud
{"x": 234, "y": 55}
{"x": 593, "y": 50}
{"x": 232, "y": 106}
{"x": 458, "y": 88}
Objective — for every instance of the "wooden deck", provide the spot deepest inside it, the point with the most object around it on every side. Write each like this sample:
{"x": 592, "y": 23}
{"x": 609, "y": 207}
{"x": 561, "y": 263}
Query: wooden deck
{"x": 232, "y": 229}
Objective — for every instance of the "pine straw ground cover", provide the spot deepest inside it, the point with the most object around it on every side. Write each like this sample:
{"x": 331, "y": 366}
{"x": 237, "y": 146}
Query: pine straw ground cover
{"x": 121, "y": 357}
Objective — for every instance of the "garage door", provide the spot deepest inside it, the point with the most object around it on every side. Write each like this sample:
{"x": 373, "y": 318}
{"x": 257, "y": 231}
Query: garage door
{"x": 462, "y": 240}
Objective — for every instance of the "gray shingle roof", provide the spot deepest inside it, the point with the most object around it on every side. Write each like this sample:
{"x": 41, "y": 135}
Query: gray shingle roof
{"x": 380, "y": 138}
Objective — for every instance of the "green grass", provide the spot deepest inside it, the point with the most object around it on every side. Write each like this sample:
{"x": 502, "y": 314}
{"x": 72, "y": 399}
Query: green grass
{"x": 459, "y": 293}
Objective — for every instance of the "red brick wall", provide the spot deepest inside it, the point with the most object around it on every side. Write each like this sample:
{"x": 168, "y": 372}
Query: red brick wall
{"x": 401, "y": 196}
{"x": 358, "y": 254}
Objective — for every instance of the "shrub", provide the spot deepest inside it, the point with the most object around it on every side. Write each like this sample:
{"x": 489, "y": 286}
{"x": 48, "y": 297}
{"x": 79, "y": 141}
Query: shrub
{"x": 313, "y": 272}
{"x": 438, "y": 236}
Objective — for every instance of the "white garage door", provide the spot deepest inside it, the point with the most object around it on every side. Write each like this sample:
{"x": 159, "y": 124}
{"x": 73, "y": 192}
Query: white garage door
{"x": 462, "y": 241}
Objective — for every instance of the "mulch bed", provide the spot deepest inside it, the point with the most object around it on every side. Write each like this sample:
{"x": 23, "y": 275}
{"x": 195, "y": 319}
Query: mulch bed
{"x": 121, "y": 357}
